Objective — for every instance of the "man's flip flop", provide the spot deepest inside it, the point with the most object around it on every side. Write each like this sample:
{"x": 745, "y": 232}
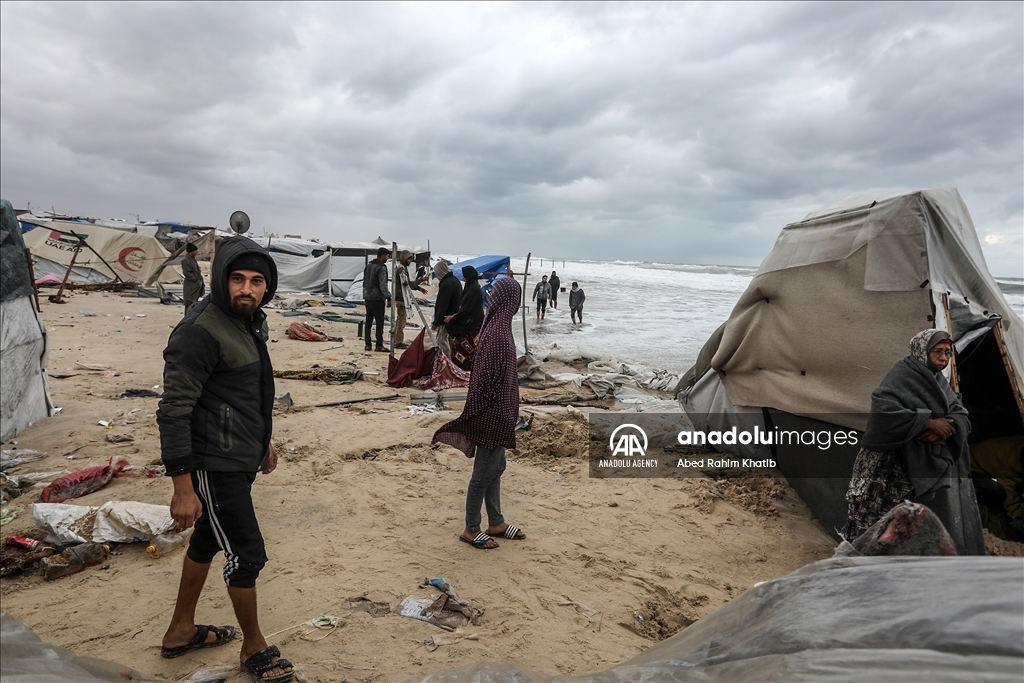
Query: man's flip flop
{"x": 224, "y": 635}
{"x": 513, "y": 532}
{"x": 263, "y": 661}
{"x": 479, "y": 542}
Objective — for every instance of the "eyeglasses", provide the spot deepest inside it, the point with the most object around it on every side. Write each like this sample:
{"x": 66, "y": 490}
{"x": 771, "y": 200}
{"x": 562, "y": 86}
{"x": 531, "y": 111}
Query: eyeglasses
{"x": 948, "y": 353}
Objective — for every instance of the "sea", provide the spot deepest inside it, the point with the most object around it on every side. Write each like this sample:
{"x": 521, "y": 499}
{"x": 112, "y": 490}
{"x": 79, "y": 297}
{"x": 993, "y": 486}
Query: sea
{"x": 649, "y": 313}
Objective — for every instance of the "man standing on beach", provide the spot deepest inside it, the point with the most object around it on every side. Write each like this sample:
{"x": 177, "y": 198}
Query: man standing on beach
{"x": 541, "y": 293}
{"x": 215, "y": 420}
{"x": 555, "y": 284}
{"x": 194, "y": 288}
{"x": 405, "y": 259}
{"x": 576, "y": 299}
{"x": 376, "y": 295}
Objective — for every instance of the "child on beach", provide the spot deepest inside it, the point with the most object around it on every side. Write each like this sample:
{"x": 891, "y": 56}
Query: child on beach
{"x": 576, "y": 299}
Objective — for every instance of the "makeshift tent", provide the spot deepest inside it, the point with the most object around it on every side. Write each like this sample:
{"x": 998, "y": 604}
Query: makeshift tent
{"x": 24, "y": 392}
{"x": 845, "y": 619}
{"x": 110, "y": 254}
{"x": 832, "y": 308}
{"x": 304, "y": 266}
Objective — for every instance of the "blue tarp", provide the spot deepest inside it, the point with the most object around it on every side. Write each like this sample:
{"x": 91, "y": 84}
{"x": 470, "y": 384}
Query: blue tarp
{"x": 490, "y": 267}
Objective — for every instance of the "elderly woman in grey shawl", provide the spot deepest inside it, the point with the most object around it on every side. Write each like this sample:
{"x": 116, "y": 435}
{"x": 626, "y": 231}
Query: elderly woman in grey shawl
{"x": 915, "y": 448}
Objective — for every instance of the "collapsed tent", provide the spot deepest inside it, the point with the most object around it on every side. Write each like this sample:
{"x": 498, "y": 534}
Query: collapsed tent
{"x": 844, "y": 619}
{"x": 24, "y": 392}
{"x": 98, "y": 254}
{"x": 830, "y": 311}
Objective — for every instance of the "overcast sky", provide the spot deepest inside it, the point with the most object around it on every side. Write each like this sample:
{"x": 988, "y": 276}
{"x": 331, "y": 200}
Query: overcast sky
{"x": 679, "y": 132}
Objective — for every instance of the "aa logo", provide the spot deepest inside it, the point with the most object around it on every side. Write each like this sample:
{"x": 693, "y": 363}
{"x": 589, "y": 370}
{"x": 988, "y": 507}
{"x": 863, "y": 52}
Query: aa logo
{"x": 628, "y": 443}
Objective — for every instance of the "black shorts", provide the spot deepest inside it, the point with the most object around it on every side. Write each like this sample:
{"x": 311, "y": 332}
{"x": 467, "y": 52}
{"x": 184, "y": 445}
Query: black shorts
{"x": 228, "y": 523}
{"x": 542, "y": 305}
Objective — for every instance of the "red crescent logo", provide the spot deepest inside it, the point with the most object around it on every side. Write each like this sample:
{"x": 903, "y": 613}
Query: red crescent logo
{"x": 132, "y": 258}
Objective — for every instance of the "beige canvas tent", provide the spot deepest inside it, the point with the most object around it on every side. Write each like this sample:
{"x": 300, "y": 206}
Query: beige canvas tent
{"x": 131, "y": 257}
{"x": 833, "y": 307}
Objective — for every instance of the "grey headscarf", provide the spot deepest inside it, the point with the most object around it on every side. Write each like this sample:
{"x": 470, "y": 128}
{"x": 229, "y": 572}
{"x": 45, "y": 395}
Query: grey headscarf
{"x": 441, "y": 269}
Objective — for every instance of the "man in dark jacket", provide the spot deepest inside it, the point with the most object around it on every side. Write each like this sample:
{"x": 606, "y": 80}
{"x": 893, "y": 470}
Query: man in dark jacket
{"x": 576, "y": 299}
{"x": 215, "y": 420}
{"x": 376, "y": 296}
{"x": 194, "y": 287}
{"x": 555, "y": 284}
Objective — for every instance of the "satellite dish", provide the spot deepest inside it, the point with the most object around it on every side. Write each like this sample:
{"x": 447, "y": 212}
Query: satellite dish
{"x": 239, "y": 222}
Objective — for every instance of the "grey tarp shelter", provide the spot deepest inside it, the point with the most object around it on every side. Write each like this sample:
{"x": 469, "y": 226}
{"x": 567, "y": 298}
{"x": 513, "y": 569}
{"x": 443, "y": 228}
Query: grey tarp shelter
{"x": 833, "y": 307}
{"x": 24, "y": 391}
{"x": 841, "y": 620}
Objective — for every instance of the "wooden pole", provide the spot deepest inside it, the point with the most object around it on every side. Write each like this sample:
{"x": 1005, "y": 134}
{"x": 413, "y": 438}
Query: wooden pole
{"x": 32, "y": 276}
{"x": 394, "y": 304}
{"x": 87, "y": 246}
{"x": 56, "y": 298}
{"x": 522, "y": 308}
{"x": 954, "y": 381}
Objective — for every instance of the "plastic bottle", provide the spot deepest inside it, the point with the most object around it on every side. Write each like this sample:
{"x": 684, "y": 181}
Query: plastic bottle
{"x": 74, "y": 560}
{"x": 165, "y": 543}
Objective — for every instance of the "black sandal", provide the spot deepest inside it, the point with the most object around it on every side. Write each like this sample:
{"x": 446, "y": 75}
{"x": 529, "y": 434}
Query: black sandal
{"x": 263, "y": 661}
{"x": 224, "y": 635}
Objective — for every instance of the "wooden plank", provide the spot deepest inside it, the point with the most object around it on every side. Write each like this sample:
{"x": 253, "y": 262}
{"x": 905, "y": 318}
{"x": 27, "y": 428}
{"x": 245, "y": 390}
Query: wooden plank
{"x": 1014, "y": 386}
{"x": 954, "y": 381}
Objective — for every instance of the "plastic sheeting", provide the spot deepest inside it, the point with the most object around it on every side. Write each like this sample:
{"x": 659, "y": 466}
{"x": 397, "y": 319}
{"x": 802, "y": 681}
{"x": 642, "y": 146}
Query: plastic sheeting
{"x": 24, "y": 392}
{"x": 27, "y": 659}
{"x": 844, "y": 619}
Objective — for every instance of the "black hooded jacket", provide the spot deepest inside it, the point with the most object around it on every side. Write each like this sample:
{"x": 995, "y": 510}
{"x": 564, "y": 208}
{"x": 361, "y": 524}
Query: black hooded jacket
{"x": 216, "y": 411}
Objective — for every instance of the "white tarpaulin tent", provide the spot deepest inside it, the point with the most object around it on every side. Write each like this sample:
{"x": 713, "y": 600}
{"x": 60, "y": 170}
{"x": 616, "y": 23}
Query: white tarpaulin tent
{"x": 306, "y": 267}
{"x": 833, "y": 307}
{"x": 131, "y": 256}
{"x": 24, "y": 392}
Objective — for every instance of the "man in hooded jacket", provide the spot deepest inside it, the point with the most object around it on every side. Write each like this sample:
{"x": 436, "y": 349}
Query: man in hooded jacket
{"x": 215, "y": 420}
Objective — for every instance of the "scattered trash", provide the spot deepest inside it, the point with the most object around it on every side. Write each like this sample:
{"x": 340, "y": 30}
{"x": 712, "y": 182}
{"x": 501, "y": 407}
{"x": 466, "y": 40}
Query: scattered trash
{"x": 112, "y": 373}
{"x": 95, "y": 367}
{"x": 86, "y": 315}
{"x": 138, "y": 393}
{"x": 447, "y": 612}
{"x": 419, "y": 410}
{"x": 120, "y": 438}
{"x": 70, "y": 454}
{"x": 306, "y": 332}
{"x": 712, "y": 489}
{"x": 436, "y": 641}
{"x": 155, "y": 471}
{"x": 23, "y": 542}
{"x": 15, "y": 560}
{"x": 342, "y": 375}
{"x": 164, "y": 544}
{"x": 9, "y": 513}
{"x": 118, "y": 521}
{"x": 350, "y": 401}
{"x": 17, "y": 457}
{"x": 84, "y": 482}
{"x": 141, "y": 315}
{"x": 74, "y": 560}
{"x": 104, "y": 423}
{"x": 525, "y": 422}
{"x": 322, "y": 622}
{"x": 66, "y": 375}
{"x": 127, "y": 317}
{"x": 369, "y": 455}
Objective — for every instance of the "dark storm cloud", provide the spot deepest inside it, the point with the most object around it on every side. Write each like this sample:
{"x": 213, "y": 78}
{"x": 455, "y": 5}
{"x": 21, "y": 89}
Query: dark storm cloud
{"x": 658, "y": 132}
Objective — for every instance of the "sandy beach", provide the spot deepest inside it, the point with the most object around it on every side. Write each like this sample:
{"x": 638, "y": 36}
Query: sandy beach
{"x": 362, "y": 506}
